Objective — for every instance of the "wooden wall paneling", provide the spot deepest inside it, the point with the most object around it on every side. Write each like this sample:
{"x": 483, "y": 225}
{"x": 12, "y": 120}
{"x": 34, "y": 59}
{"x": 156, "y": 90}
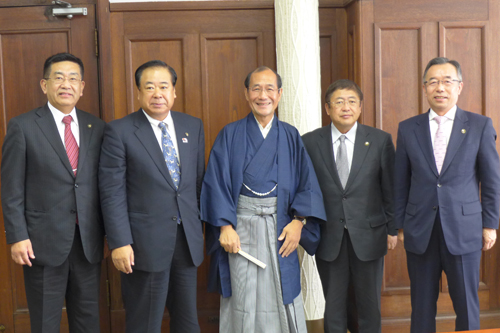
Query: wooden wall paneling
{"x": 333, "y": 50}
{"x": 166, "y": 47}
{"x": 360, "y": 22}
{"x": 105, "y": 60}
{"x": 401, "y": 49}
{"x": 401, "y": 52}
{"x": 430, "y": 10}
{"x": 465, "y": 42}
{"x": 226, "y": 60}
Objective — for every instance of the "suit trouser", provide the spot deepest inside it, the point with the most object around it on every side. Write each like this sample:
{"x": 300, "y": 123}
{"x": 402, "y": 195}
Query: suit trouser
{"x": 76, "y": 280}
{"x": 367, "y": 281}
{"x": 462, "y": 272}
{"x": 145, "y": 294}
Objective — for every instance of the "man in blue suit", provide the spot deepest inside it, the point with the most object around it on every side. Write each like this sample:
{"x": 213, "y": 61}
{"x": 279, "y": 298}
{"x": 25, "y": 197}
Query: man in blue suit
{"x": 443, "y": 158}
{"x": 150, "y": 173}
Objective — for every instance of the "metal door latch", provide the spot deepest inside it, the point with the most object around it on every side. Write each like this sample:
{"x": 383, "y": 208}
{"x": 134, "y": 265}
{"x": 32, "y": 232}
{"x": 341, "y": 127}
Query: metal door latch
{"x": 68, "y": 11}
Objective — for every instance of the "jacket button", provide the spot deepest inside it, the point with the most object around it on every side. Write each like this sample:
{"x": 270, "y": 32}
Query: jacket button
{"x": 73, "y": 211}
{"x": 76, "y": 185}
{"x": 344, "y": 198}
{"x": 435, "y": 208}
{"x": 174, "y": 218}
{"x": 439, "y": 185}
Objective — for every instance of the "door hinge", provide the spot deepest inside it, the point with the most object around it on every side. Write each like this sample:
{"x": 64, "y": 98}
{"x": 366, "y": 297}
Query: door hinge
{"x": 96, "y": 38}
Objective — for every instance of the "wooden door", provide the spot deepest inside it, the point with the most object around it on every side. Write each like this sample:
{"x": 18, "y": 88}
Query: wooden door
{"x": 28, "y": 36}
{"x": 212, "y": 51}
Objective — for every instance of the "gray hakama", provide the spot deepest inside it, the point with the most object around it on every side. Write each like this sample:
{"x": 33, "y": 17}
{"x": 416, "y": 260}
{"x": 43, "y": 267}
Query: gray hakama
{"x": 256, "y": 304}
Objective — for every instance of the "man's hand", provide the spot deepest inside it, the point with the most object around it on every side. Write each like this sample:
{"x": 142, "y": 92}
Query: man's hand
{"x": 401, "y": 236}
{"x": 229, "y": 239}
{"x": 123, "y": 258}
{"x": 291, "y": 234}
{"x": 21, "y": 252}
{"x": 489, "y": 238}
{"x": 392, "y": 241}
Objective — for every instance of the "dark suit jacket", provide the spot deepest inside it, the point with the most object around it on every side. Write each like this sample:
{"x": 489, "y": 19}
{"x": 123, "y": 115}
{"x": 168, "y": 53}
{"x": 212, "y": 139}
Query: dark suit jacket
{"x": 40, "y": 194}
{"x": 366, "y": 203}
{"x": 139, "y": 201}
{"x": 420, "y": 192}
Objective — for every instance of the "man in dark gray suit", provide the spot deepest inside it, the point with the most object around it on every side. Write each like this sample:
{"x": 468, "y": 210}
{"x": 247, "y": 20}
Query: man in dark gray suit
{"x": 354, "y": 164}
{"x": 151, "y": 170}
{"x": 50, "y": 201}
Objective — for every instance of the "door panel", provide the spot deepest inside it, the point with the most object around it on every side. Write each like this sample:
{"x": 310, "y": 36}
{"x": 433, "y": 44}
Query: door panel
{"x": 212, "y": 52}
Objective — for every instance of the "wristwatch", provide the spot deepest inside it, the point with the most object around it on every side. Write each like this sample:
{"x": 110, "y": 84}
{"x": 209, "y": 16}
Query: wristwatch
{"x": 301, "y": 219}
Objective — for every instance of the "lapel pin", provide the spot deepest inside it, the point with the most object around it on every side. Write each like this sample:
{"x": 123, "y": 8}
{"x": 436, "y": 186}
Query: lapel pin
{"x": 187, "y": 134}
{"x": 184, "y": 140}
{"x": 463, "y": 131}
{"x": 89, "y": 125}
{"x": 367, "y": 143}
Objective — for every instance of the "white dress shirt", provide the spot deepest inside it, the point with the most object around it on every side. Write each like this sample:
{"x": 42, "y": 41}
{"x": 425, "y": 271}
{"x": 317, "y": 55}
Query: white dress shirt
{"x": 265, "y": 130}
{"x": 447, "y": 126}
{"x": 170, "y": 129}
{"x": 350, "y": 137}
{"x": 58, "y": 117}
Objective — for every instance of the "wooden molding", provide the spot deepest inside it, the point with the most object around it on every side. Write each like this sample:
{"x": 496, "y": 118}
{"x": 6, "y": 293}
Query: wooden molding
{"x": 212, "y": 5}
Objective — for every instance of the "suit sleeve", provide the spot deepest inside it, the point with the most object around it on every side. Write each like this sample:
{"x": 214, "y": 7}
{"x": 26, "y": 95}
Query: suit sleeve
{"x": 402, "y": 177}
{"x": 488, "y": 169}
{"x": 13, "y": 175}
{"x": 113, "y": 189}
{"x": 387, "y": 183}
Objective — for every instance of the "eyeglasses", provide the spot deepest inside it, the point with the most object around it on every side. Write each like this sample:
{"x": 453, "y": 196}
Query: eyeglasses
{"x": 340, "y": 103}
{"x": 435, "y": 83}
{"x": 73, "y": 80}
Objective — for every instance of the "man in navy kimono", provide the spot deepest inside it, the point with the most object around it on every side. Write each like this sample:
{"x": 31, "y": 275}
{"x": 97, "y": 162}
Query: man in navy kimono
{"x": 260, "y": 195}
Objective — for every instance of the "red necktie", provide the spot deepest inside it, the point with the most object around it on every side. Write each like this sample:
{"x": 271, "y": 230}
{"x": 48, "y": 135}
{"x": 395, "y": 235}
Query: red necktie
{"x": 70, "y": 142}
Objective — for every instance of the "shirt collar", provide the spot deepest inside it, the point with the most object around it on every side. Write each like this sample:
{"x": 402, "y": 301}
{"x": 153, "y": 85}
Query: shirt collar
{"x": 59, "y": 115}
{"x": 154, "y": 122}
{"x": 350, "y": 135}
{"x": 268, "y": 126}
{"x": 450, "y": 115}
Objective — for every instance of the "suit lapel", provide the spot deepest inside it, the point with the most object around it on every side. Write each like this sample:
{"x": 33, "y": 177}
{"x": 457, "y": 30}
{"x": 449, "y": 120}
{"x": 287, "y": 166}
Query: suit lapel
{"x": 423, "y": 135}
{"x": 359, "y": 153}
{"x": 460, "y": 123}
{"x": 325, "y": 146}
{"x": 48, "y": 127}
{"x": 86, "y": 131}
{"x": 147, "y": 137}
{"x": 183, "y": 144}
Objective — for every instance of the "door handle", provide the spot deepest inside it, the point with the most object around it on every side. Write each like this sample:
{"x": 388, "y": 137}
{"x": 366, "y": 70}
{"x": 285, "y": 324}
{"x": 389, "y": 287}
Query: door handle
{"x": 2, "y": 328}
{"x": 69, "y": 11}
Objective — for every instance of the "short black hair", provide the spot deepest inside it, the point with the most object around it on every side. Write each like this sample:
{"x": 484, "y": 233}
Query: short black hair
{"x": 59, "y": 58}
{"x": 154, "y": 63}
{"x": 340, "y": 85}
{"x": 261, "y": 69}
{"x": 442, "y": 61}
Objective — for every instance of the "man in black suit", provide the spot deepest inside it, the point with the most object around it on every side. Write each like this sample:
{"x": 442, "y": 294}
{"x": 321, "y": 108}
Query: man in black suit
{"x": 151, "y": 170}
{"x": 50, "y": 201}
{"x": 354, "y": 164}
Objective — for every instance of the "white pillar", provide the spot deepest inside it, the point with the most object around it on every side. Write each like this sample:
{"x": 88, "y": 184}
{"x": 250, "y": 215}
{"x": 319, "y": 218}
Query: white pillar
{"x": 298, "y": 58}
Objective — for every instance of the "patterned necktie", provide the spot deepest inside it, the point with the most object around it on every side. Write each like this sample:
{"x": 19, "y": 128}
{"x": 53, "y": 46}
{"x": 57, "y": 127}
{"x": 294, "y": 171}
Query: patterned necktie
{"x": 70, "y": 143}
{"x": 170, "y": 155}
{"x": 341, "y": 161}
{"x": 440, "y": 143}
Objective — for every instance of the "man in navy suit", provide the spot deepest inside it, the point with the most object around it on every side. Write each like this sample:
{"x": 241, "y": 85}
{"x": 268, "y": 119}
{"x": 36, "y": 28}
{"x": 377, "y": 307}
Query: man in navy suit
{"x": 50, "y": 201}
{"x": 443, "y": 158}
{"x": 150, "y": 174}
